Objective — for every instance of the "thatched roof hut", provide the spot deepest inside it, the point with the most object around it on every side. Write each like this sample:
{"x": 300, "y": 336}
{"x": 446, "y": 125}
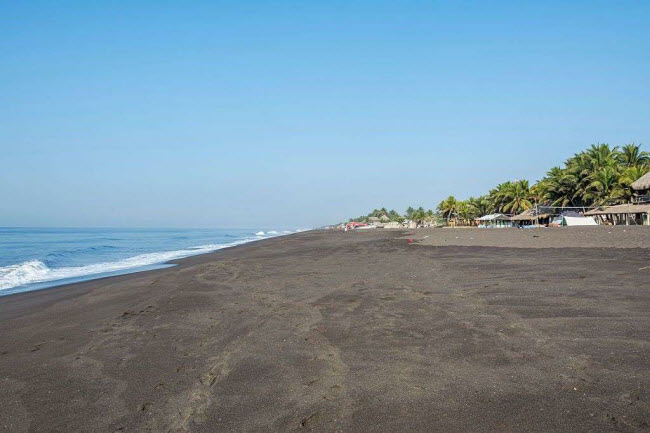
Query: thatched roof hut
{"x": 537, "y": 212}
{"x": 620, "y": 209}
{"x": 527, "y": 215}
{"x": 642, "y": 183}
{"x": 635, "y": 214}
{"x": 540, "y": 214}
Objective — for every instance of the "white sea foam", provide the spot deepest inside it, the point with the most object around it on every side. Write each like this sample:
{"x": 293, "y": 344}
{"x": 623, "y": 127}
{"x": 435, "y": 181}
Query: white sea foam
{"x": 35, "y": 271}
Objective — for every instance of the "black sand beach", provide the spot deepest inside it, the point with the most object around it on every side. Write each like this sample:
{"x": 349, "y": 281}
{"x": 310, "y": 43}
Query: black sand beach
{"x": 464, "y": 330}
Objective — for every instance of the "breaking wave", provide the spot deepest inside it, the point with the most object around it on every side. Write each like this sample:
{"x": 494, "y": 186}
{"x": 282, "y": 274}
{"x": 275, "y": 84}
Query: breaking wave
{"x": 35, "y": 271}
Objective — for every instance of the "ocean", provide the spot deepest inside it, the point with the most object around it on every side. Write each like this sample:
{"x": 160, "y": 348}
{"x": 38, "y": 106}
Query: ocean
{"x": 37, "y": 258}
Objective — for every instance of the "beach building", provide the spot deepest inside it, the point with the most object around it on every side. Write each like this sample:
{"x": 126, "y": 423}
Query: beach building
{"x": 373, "y": 219}
{"x": 534, "y": 217}
{"x": 622, "y": 214}
{"x": 495, "y": 220}
{"x": 526, "y": 218}
{"x": 384, "y": 218}
{"x": 641, "y": 188}
{"x": 637, "y": 212}
{"x": 429, "y": 222}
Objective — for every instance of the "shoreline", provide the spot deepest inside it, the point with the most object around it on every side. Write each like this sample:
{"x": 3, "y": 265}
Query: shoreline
{"x": 333, "y": 331}
{"x": 40, "y": 286}
{"x": 462, "y": 236}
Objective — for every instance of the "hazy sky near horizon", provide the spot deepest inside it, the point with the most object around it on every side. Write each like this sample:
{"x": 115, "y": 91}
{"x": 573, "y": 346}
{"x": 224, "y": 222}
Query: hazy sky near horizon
{"x": 297, "y": 114}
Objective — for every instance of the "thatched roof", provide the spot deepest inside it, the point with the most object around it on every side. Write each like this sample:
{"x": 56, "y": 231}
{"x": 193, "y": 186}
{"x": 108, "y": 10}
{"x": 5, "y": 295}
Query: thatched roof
{"x": 620, "y": 209}
{"x": 531, "y": 214}
{"x": 642, "y": 183}
{"x": 527, "y": 215}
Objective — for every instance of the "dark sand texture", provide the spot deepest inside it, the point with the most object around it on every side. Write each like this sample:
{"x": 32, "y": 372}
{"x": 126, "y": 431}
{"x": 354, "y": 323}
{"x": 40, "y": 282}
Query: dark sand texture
{"x": 332, "y": 331}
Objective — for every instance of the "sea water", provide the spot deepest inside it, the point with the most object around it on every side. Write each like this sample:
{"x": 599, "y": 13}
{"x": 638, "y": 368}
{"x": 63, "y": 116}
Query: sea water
{"x": 36, "y": 258}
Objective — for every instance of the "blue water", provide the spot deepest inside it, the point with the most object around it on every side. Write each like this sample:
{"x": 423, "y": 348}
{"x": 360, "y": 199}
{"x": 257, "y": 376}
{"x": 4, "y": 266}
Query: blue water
{"x": 35, "y": 258}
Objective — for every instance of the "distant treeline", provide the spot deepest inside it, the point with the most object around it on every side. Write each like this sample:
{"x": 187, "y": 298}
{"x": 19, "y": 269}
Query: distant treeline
{"x": 418, "y": 215}
{"x": 600, "y": 175}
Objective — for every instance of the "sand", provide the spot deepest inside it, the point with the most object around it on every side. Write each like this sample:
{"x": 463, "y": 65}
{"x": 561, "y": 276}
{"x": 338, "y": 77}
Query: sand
{"x": 358, "y": 331}
{"x": 583, "y": 237}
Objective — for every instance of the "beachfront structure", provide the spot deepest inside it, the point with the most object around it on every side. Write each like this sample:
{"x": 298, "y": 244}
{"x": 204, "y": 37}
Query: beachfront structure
{"x": 622, "y": 214}
{"x": 641, "y": 187}
{"x": 526, "y": 218}
{"x": 537, "y": 216}
{"x": 637, "y": 212}
{"x": 495, "y": 220}
{"x": 429, "y": 222}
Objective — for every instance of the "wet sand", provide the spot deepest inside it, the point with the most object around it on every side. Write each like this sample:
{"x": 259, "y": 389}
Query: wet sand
{"x": 512, "y": 330}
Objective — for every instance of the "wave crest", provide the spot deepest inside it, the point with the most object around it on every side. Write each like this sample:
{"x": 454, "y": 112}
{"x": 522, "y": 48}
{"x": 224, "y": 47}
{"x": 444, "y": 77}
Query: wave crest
{"x": 22, "y": 273}
{"x": 35, "y": 271}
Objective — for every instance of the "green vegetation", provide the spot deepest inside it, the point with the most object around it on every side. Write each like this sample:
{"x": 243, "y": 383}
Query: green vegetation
{"x": 600, "y": 175}
{"x": 385, "y": 215}
{"x": 597, "y": 176}
{"x": 418, "y": 215}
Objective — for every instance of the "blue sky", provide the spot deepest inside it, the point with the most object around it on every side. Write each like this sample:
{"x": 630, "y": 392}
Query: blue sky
{"x": 296, "y": 114}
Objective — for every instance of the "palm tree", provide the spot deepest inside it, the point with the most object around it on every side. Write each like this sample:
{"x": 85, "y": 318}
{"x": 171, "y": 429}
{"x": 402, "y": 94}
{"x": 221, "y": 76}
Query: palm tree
{"x": 517, "y": 197}
{"x": 448, "y": 207}
{"x": 538, "y": 192}
{"x": 562, "y": 187}
{"x": 579, "y": 171}
{"x": 498, "y": 196}
{"x": 474, "y": 206}
{"x": 378, "y": 212}
{"x": 394, "y": 216}
{"x": 600, "y": 174}
{"x": 631, "y": 155}
{"x": 419, "y": 215}
{"x": 479, "y": 206}
{"x": 464, "y": 211}
{"x": 601, "y": 155}
{"x": 604, "y": 187}
{"x": 628, "y": 176}
{"x": 484, "y": 205}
